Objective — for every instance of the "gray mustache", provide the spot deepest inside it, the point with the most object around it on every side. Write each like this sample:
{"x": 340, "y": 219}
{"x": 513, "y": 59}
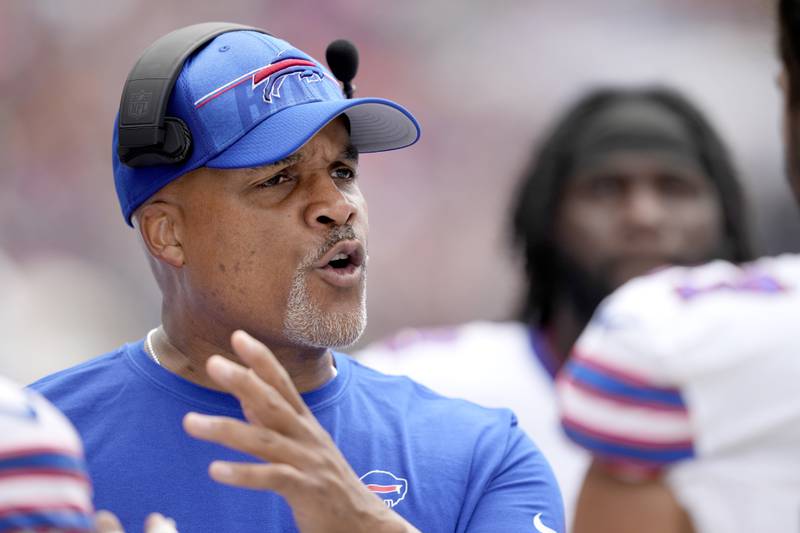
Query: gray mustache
{"x": 335, "y": 236}
{"x": 338, "y": 234}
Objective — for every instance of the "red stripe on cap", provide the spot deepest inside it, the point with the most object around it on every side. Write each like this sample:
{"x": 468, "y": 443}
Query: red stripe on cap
{"x": 267, "y": 71}
{"x": 257, "y": 77}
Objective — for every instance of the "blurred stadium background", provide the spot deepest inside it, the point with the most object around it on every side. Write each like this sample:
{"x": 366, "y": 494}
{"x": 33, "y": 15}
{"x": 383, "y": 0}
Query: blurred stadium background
{"x": 484, "y": 78}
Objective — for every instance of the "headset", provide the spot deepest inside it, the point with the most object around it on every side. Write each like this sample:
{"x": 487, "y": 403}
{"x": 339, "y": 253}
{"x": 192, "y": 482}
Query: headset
{"x": 147, "y": 137}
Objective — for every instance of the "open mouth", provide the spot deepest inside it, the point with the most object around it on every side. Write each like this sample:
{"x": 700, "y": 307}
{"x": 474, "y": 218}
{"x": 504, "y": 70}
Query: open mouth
{"x": 343, "y": 263}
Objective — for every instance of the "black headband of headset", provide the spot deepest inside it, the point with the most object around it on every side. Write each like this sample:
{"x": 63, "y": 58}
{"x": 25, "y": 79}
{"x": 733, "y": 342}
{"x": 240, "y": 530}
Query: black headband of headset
{"x": 149, "y": 85}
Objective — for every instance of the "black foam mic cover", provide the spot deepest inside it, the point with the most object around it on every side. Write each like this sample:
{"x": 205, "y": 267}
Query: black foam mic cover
{"x": 342, "y": 58}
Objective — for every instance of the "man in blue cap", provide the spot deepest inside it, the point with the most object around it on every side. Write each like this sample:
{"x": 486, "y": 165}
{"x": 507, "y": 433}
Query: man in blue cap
{"x": 259, "y": 225}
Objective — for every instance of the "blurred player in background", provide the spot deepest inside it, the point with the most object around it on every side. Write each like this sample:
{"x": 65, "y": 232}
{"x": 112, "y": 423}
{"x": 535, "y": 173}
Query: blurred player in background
{"x": 627, "y": 181}
{"x": 43, "y": 479}
{"x": 684, "y": 386}
{"x": 262, "y": 225}
{"x": 44, "y": 485}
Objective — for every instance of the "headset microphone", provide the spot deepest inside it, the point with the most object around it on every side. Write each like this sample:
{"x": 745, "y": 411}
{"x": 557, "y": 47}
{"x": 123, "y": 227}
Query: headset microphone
{"x": 342, "y": 58}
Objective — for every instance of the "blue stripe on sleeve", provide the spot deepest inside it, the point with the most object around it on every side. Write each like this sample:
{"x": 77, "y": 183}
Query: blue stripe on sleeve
{"x": 617, "y": 450}
{"x": 594, "y": 378}
{"x": 59, "y": 520}
{"x": 43, "y": 460}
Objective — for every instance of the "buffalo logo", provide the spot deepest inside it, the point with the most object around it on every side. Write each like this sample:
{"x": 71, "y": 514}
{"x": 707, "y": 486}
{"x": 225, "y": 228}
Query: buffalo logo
{"x": 139, "y": 103}
{"x": 271, "y": 77}
{"x": 388, "y": 487}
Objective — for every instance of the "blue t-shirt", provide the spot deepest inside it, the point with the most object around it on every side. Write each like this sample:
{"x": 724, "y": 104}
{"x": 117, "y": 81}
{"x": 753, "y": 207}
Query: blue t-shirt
{"x": 445, "y": 465}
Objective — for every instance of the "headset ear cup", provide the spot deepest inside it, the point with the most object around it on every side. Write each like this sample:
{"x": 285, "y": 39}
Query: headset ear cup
{"x": 175, "y": 149}
{"x": 177, "y": 140}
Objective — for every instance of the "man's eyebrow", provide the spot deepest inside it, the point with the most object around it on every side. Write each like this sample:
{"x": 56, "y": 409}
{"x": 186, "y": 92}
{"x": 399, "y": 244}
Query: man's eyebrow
{"x": 289, "y": 160}
{"x": 350, "y": 153}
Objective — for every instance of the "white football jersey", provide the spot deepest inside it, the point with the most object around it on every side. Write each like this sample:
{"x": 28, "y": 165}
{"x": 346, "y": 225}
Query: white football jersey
{"x": 694, "y": 372}
{"x": 494, "y": 365}
{"x": 43, "y": 480}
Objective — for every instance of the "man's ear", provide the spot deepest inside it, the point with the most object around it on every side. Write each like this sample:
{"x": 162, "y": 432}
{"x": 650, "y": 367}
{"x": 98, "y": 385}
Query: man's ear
{"x": 160, "y": 224}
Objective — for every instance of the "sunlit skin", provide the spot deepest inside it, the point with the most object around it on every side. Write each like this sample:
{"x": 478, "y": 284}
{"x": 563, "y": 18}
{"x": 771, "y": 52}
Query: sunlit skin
{"x": 224, "y": 246}
{"x": 609, "y": 505}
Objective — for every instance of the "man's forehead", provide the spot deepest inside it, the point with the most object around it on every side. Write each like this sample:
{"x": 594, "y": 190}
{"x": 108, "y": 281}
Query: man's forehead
{"x": 648, "y": 160}
{"x": 348, "y": 153}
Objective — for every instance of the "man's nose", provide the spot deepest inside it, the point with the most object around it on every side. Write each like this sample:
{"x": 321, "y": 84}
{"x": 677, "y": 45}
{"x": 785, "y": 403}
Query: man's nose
{"x": 645, "y": 210}
{"x": 329, "y": 205}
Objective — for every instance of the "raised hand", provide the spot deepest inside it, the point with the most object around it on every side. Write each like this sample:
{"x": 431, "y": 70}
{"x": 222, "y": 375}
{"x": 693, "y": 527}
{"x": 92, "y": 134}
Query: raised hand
{"x": 302, "y": 463}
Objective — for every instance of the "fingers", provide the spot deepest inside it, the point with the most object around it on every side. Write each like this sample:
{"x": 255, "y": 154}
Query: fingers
{"x": 281, "y": 478}
{"x": 263, "y": 404}
{"x": 260, "y": 442}
{"x": 264, "y": 363}
{"x": 158, "y": 523}
{"x": 106, "y": 522}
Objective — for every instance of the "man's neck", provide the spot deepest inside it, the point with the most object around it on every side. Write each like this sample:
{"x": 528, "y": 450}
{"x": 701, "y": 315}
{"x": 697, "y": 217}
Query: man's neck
{"x": 185, "y": 354}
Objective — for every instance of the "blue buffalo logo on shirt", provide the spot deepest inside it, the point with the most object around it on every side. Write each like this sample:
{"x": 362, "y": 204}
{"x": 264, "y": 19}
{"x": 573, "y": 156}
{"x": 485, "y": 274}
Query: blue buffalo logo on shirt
{"x": 271, "y": 77}
{"x": 388, "y": 487}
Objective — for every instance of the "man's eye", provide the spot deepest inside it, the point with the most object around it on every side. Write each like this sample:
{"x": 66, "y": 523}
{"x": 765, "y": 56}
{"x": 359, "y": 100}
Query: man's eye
{"x": 274, "y": 180}
{"x": 606, "y": 186}
{"x": 343, "y": 173}
{"x": 675, "y": 186}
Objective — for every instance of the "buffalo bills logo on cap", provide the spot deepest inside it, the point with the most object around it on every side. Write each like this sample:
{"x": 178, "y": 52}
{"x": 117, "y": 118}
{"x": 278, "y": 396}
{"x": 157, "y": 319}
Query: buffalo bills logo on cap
{"x": 390, "y": 488}
{"x": 272, "y": 77}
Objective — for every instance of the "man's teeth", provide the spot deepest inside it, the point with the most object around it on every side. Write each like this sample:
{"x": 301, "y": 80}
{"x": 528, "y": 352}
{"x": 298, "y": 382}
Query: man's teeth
{"x": 339, "y": 257}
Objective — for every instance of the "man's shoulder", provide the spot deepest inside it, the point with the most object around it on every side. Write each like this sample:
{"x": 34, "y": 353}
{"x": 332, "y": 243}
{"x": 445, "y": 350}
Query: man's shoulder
{"x": 477, "y": 454}
{"x": 102, "y": 372}
{"x": 404, "y": 405}
{"x": 678, "y": 307}
{"x": 710, "y": 287}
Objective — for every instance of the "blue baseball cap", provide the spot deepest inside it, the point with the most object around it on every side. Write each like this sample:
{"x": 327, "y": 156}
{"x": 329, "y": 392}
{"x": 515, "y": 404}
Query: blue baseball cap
{"x": 250, "y": 99}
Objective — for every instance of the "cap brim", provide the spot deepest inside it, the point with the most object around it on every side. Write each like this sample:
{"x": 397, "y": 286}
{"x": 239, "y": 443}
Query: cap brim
{"x": 376, "y": 125}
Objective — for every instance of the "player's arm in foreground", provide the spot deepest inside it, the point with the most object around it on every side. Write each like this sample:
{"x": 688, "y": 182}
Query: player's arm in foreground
{"x": 608, "y": 504}
{"x": 44, "y": 485}
{"x": 43, "y": 480}
{"x": 619, "y": 401}
{"x": 302, "y": 462}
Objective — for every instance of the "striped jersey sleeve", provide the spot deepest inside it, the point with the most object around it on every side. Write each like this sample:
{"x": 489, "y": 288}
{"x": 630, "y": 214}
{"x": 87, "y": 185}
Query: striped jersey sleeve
{"x": 43, "y": 481}
{"x": 627, "y": 422}
{"x": 616, "y": 398}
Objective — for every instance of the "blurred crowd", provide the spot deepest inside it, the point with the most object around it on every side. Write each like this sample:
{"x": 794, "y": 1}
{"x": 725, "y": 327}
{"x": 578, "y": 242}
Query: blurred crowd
{"x": 439, "y": 213}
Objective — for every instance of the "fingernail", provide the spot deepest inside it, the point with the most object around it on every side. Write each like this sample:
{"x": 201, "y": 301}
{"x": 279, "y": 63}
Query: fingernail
{"x": 199, "y": 421}
{"x": 225, "y": 368}
{"x": 248, "y": 339}
{"x": 221, "y": 470}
